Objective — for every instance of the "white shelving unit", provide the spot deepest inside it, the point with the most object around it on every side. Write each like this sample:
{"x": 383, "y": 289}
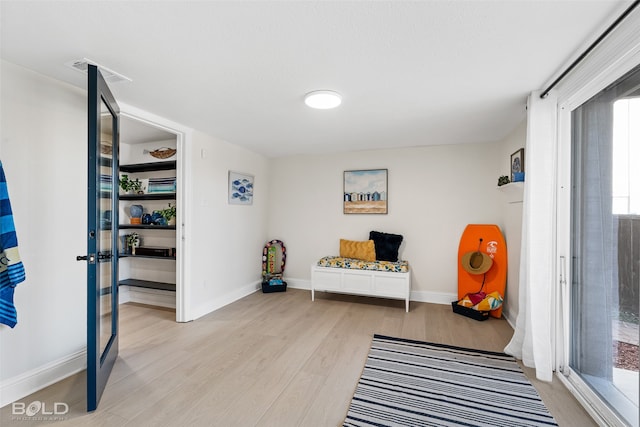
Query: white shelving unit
{"x": 148, "y": 279}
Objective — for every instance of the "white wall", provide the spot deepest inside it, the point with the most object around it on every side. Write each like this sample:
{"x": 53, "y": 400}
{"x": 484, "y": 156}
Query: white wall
{"x": 434, "y": 192}
{"x": 43, "y": 148}
{"x": 512, "y": 221}
{"x": 225, "y": 241}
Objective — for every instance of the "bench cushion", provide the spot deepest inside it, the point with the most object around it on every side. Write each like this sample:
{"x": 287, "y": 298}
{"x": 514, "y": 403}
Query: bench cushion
{"x": 357, "y": 264}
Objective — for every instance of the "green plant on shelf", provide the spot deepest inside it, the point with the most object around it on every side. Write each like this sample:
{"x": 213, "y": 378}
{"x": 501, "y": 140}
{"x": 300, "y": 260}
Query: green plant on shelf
{"x": 130, "y": 185}
{"x": 504, "y": 179}
{"x": 133, "y": 240}
{"x": 168, "y": 213}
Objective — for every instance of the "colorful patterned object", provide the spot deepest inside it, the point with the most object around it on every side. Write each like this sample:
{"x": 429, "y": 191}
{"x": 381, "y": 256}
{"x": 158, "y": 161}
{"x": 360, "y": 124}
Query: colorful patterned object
{"x": 357, "y": 264}
{"x": 11, "y": 268}
{"x": 267, "y": 270}
{"x": 491, "y": 301}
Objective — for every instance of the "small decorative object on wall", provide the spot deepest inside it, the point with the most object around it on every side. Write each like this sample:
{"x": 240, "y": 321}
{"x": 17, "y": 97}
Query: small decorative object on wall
{"x": 161, "y": 153}
{"x": 517, "y": 166}
{"x": 240, "y": 188}
{"x": 365, "y": 191}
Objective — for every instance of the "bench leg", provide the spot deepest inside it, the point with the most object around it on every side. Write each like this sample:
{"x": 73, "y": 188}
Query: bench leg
{"x": 312, "y": 294}
{"x": 407, "y": 304}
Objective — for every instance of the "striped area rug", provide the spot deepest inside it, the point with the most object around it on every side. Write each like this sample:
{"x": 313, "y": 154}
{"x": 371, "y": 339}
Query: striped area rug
{"x": 414, "y": 383}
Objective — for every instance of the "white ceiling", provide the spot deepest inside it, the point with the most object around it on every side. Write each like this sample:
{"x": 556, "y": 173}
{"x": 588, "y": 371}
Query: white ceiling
{"x": 411, "y": 73}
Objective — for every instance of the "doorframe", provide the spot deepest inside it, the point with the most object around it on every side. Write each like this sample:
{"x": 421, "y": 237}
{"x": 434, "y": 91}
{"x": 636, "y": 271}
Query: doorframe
{"x": 184, "y": 135}
{"x": 595, "y": 76}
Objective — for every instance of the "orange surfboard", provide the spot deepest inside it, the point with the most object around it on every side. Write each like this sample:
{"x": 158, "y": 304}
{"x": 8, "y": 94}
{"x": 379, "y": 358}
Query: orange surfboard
{"x": 492, "y": 244}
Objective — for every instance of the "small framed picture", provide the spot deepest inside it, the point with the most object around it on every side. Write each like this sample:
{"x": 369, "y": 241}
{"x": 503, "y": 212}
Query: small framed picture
{"x": 240, "y": 188}
{"x": 365, "y": 192}
{"x": 517, "y": 166}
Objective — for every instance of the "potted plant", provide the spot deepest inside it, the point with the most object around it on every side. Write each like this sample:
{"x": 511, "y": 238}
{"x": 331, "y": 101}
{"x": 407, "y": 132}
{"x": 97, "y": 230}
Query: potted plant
{"x": 503, "y": 180}
{"x": 130, "y": 185}
{"x": 169, "y": 214}
{"x": 133, "y": 241}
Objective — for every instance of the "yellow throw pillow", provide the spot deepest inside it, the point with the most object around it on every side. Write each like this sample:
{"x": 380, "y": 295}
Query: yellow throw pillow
{"x": 365, "y": 251}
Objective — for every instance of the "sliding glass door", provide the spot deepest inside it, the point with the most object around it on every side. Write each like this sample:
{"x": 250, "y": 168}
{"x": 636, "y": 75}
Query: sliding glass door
{"x": 605, "y": 246}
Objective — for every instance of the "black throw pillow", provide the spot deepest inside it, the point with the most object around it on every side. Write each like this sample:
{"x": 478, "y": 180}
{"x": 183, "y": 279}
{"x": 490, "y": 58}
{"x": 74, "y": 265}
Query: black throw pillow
{"x": 386, "y": 244}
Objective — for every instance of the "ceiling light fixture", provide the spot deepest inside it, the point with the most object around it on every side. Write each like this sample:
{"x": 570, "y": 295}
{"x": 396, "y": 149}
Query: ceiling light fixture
{"x": 323, "y": 99}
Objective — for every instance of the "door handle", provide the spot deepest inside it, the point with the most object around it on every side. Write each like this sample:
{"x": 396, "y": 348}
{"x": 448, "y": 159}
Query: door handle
{"x": 91, "y": 258}
{"x": 104, "y": 255}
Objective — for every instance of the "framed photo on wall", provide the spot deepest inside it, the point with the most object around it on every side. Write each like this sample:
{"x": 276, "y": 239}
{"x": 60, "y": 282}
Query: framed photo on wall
{"x": 240, "y": 188}
{"x": 517, "y": 166}
{"x": 365, "y": 192}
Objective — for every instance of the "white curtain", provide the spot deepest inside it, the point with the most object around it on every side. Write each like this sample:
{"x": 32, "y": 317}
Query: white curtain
{"x": 532, "y": 340}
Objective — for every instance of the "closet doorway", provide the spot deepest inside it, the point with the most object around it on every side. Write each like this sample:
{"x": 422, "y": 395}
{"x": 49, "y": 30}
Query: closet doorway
{"x": 151, "y": 238}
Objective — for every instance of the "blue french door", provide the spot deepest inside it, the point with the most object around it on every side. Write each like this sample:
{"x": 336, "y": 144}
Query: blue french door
{"x": 102, "y": 236}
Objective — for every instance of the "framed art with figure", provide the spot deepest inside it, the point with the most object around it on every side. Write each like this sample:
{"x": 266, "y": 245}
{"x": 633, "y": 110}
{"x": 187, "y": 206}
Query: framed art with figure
{"x": 517, "y": 166}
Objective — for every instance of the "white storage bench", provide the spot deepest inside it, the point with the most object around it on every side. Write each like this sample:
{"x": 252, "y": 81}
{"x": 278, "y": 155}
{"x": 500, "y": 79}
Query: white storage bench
{"x": 383, "y": 279}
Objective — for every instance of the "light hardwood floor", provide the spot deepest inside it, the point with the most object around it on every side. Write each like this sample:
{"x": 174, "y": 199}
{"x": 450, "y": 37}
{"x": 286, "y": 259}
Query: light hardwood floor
{"x": 266, "y": 360}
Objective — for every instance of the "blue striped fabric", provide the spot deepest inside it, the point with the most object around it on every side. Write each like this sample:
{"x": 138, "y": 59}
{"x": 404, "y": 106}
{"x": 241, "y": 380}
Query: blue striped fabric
{"x": 414, "y": 383}
{"x": 11, "y": 268}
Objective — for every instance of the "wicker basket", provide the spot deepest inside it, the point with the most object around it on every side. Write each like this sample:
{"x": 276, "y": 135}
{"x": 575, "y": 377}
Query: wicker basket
{"x": 163, "y": 153}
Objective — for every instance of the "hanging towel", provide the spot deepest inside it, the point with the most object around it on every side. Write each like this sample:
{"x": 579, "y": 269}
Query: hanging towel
{"x": 11, "y": 268}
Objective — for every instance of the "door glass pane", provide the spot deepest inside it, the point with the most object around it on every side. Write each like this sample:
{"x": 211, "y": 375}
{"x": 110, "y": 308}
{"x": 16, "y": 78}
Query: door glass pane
{"x": 605, "y": 245}
{"x": 105, "y": 274}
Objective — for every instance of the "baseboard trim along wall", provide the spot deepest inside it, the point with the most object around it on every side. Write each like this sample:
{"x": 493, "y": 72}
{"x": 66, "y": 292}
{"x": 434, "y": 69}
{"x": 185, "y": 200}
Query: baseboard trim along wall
{"x": 25, "y": 384}
{"x": 419, "y": 296}
{"x": 226, "y": 299}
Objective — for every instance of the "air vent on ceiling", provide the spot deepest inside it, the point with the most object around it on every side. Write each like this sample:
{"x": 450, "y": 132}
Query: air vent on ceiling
{"x": 110, "y": 76}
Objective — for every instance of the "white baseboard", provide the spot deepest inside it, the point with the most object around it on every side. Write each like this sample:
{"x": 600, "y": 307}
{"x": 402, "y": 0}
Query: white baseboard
{"x": 420, "y": 296}
{"x": 509, "y": 319}
{"x": 433, "y": 297}
{"x": 298, "y": 283}
{"x": 226, "y": 299}
{"x": 29, "y": 382}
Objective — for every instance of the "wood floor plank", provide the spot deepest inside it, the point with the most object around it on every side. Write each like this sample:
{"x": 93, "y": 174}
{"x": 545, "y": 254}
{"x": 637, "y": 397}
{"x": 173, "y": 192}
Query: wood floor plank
{"x": 266, "y": 360}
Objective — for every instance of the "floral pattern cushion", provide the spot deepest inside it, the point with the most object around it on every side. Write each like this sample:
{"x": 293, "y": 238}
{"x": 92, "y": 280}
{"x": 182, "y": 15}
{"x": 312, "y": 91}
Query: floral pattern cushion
{"x": 358, "y": 264}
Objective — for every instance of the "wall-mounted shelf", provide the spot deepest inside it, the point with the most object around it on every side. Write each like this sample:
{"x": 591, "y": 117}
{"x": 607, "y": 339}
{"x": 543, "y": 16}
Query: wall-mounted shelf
{"x": 148, "y": 284}
{"x": 145, "y": 256}
{"x": 146, "y": 227}
{"x": 148, "y": 196}
{"x": 149, "y": 167}
{"x": 514, "y": 191}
